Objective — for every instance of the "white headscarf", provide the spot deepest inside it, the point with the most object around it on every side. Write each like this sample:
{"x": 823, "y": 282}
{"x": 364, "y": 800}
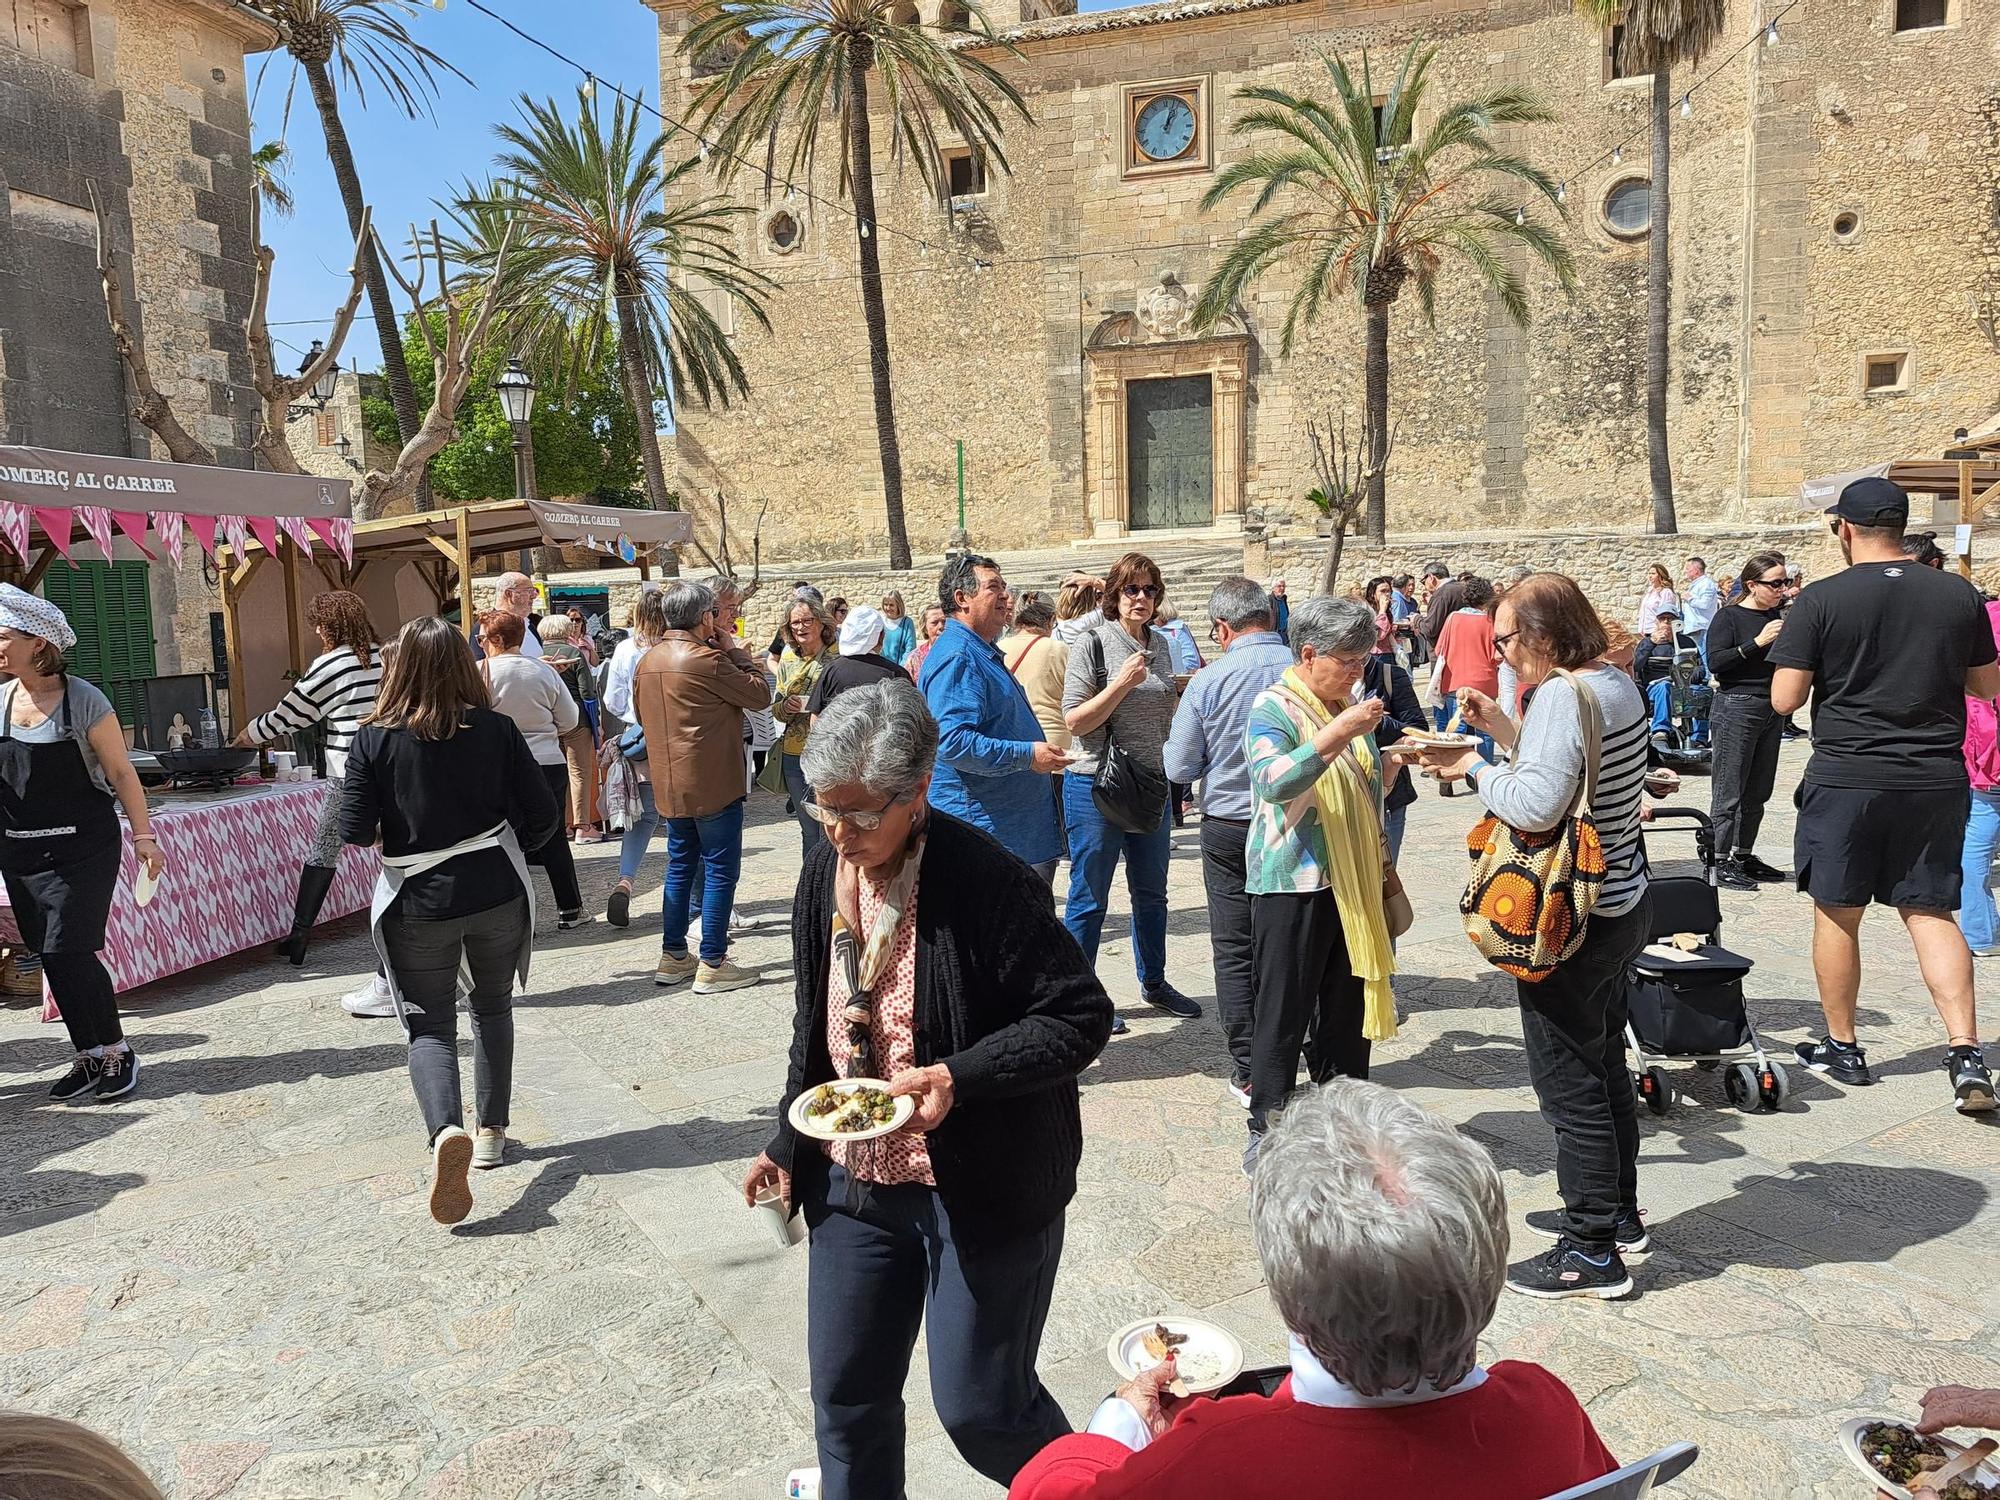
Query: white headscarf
{"x": 31, "y": 614}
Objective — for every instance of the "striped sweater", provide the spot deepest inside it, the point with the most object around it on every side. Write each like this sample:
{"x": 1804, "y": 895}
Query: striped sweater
{"x": 1534, "y": 793}
{"x": 336, "y": 691}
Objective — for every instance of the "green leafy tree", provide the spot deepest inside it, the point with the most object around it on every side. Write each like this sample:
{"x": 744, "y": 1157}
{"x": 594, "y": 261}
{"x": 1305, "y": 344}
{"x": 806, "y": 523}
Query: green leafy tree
{"x": 1656, "y": 36}
{"x": 1352, "y": 207}
{"x": 800, "y": 66}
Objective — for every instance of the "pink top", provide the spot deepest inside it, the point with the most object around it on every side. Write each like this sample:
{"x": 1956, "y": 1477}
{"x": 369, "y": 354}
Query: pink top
{"x": 1982, "y": 733}
{"x": 904, "y": 1156}
{"x": 1385, "y": 635}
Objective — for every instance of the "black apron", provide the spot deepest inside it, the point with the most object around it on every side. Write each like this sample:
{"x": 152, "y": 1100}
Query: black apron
{"x": 59, "y": 839}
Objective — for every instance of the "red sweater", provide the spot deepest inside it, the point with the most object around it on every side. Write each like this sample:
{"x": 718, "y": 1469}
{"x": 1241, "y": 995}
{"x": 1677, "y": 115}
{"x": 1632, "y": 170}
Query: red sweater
{"x": 1519, "y": 1436}
{"x": 1466, "y": 654}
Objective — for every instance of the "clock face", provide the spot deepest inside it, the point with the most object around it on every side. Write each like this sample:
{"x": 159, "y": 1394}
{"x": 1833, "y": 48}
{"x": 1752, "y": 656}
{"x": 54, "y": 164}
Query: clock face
{"x": 1165, "y": 128}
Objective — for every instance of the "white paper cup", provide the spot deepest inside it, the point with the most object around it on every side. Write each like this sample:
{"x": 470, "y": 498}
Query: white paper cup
{"x": 786, "y": 1228}
{"x": 283, "y": 760}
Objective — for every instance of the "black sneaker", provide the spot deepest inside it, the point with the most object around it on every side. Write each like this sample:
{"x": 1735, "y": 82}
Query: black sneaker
{"x": 1163, "y": 996}
{"x": 1731, "y": 875}
{"x": 1565, "y": 1271}
{"x": 120, "y": 1074}
{"x": 1969, "y": 1080}
{"x": 1553, "y": 1224}
{"x": 618, "y": 910}
{"x": 1118, "y": 1026}
{"x": 1843, "y": 1060}
{"x": 80, "y": 1079}
{"x": 1757, "y": 869}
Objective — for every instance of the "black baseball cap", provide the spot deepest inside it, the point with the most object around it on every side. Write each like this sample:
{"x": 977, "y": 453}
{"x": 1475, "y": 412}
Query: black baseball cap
{"x": 1874, "y": 501}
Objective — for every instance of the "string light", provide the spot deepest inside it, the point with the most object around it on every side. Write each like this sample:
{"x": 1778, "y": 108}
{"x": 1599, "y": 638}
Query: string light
{"x": 1687, "y": 104}
{"x": 1562, "y": 192}
{"x": 589, "y": 89}
{"x": 1617, "y": 155}
{"x": 1771, "y": 35}
{"x": 864, "y": 228}
{"x": 1520, "y": 216}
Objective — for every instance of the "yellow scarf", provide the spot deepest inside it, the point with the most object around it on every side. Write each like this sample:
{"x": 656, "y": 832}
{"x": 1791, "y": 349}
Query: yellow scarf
{"x": 1349, "y": 794}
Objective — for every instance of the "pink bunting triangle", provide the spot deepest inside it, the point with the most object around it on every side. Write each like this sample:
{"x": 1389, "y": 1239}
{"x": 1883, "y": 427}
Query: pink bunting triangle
{"x": 167, "y": 526}
{"x": 97, "y": 521}
{"x": 14, "y": 520}
{"x": 338, "y": 533}
{"x": 203, "y": 528}
{"x": 295, "y": 528}
{"x": 55, "y": 526}
{"x": 236, "y": 534}
{"x": 133, "y": 524}
{"x": 265, "y": 529}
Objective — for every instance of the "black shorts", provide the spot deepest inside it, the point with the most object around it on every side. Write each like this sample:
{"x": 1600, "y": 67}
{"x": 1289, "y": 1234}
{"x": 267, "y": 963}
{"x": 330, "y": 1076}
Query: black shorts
{"x": 1900, "y": 846}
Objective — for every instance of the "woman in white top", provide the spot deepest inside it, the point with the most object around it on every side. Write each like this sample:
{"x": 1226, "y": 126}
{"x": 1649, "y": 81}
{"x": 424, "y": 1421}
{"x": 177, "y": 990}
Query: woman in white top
{"x": 337, "y": 692}
{"x": 1659, "y": 595}
{"x": 628, "y": 790}
{"x": 531, "y": 694}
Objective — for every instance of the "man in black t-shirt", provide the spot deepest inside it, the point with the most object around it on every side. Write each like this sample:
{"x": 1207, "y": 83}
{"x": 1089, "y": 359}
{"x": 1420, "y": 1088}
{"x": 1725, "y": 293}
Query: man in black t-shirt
{"x": 1889, "y": 651}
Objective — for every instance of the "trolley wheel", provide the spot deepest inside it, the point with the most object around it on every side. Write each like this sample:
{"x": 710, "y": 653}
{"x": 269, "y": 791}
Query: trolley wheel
{"x": 1654, "y": 1090}
{"x": 1773, "y": 1088}
{"x": 1740, "y": 1084}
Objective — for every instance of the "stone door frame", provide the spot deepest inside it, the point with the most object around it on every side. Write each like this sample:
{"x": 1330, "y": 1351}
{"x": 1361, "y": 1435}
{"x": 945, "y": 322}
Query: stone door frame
{"x": 1154, "y": 342}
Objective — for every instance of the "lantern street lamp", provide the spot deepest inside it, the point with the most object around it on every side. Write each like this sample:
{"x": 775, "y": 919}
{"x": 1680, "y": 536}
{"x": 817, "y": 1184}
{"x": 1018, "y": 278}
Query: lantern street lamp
{"x": 344, "y": 446}
{"x": 321, "y": 390}
{"x": 516, "y": 390}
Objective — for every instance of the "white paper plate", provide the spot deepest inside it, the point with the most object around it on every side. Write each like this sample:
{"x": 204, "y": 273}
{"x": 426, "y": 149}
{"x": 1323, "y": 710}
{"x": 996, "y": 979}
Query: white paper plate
{"x": 145, "y": 885}
{"x": 905, "y": 1107}
{"x": 1850, "y": 1444}
{"x": 1210, "y": 1351}
{"x": 1442, "y": 742}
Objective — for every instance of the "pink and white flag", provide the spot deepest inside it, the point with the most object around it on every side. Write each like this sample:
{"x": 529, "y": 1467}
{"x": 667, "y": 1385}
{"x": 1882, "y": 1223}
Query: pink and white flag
{"x": 97, "y": 521}
{"x": 265, "y": 529}
{"x": 236, "y": 534}
{"x": 133, "y": 524}
{"x": 14, "y": 522}
{"x": 167, "y": 527}
{"x": 203, "y": 528}
{"x": 338, "y": 533}
{"x": 295, "y": 528}
{"x": 55, "y": 526}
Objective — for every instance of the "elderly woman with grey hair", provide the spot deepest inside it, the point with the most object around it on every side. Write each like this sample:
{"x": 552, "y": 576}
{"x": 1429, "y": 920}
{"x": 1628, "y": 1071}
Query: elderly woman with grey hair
{"x": 1383, "y": 1236}
{"x": 1316, "y": 863}
{"x": 965, "y": 993}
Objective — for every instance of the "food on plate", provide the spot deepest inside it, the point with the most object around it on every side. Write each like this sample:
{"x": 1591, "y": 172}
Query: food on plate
{"x": 845, "y": 1109}
{"x": 1687, "y": 942}
{"x": 1426, "y": 737}
{"x": 1902, "y": 1457}
{"x": 1162, "y": 1341}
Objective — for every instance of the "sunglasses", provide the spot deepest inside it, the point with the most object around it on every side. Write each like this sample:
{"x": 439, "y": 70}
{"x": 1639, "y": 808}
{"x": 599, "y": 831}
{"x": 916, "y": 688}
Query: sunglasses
{"x": 867, "y": 822}
{"x": 1772, "y": 583}
{"x": 1142, "y": 591}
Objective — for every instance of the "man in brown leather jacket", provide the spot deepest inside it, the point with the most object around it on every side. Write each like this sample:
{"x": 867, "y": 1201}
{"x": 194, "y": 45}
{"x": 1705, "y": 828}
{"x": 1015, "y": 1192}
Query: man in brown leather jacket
{"x": 689, "y": 694}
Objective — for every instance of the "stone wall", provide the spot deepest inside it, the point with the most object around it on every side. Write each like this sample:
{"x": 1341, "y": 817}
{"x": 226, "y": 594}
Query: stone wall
{"x": 992, "y": 306}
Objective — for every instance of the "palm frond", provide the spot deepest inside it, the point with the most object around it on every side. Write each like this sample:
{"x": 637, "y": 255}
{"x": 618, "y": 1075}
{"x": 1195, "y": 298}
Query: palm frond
{"x": 367, "y": 43}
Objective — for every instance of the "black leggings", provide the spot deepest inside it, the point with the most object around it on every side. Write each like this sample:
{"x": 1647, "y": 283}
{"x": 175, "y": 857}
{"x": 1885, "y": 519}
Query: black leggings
{"x": 82, "y": 989}
{"x": 554, "y": 856}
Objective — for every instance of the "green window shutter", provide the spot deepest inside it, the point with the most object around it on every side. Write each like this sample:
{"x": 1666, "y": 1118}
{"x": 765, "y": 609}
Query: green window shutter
{"x": 110, "y": 606}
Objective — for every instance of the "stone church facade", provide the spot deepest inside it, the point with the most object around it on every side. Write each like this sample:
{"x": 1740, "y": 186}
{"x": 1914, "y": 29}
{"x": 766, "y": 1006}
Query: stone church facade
{"x": 1837, "y": 286}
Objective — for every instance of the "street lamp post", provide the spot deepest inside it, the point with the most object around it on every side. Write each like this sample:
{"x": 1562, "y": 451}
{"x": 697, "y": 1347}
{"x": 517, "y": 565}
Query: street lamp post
{"x": 516, "y": 389}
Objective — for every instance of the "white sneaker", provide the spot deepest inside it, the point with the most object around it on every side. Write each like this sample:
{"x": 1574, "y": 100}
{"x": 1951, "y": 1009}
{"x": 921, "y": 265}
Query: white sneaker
{"x": 488, "y": 1147}
{"x": 372, "y": 999}
{"x": 716, "y": 979}
{"x": 451, "y": 1154}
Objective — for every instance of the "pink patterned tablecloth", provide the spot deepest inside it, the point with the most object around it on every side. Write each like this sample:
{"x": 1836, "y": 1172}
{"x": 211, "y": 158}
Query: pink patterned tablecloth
{"x": 232, "y": 872}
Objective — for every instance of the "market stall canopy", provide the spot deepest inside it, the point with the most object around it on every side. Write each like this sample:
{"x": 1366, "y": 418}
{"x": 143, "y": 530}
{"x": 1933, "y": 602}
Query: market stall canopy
{"x": 48, "y": 497}
{"x": 1923, "y": 476}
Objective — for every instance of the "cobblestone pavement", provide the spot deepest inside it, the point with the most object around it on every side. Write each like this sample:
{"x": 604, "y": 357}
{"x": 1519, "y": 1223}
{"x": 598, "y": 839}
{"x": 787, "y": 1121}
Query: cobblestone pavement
{"x": 235, "y": 1276}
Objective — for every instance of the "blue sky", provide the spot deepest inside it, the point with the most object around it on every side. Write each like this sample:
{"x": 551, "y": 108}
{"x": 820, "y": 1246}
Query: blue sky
{"x": 405, "y": 165}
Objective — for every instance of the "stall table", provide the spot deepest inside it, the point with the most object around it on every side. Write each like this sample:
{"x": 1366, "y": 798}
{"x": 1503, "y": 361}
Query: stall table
{"x": 233, "y": 859}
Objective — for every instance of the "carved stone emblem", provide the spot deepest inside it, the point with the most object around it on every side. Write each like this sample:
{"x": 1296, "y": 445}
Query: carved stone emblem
{"x": 1165, "y": 310}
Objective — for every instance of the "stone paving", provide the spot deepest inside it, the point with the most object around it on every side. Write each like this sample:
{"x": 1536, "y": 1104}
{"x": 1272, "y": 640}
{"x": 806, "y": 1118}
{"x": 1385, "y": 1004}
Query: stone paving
{"x": 234, "y": 1274}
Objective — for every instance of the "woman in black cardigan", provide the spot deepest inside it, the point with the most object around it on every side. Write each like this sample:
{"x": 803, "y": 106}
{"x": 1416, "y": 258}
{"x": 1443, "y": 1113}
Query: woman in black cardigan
{"x": 928, "y": 955}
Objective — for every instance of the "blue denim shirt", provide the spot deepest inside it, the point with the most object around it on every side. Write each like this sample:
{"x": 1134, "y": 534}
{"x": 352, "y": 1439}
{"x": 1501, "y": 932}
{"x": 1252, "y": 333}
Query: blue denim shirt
{"x": 1206, "y": 742}
{"x": 986, "y": 736}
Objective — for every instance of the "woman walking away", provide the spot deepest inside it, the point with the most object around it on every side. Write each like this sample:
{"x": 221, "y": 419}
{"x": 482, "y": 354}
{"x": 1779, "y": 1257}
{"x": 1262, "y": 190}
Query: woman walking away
{"x": 62, "y": 762}
{"x": 809, "y": 638}
{"x": 1574, "y": 1020}
{"x": 561, "y": 651}
{"x": 1316, "y": 862}
{"x": 452, "y": 793}
{"x": 627, "y": 777}
{"x": 529, "y": 692}
{"x": 1746, "y": 728}
{"x": 338, "y": 690}
{"x": 1976, "y": 917}
{"x": 1119, "y": 699}
{"x": 928, "y": 956}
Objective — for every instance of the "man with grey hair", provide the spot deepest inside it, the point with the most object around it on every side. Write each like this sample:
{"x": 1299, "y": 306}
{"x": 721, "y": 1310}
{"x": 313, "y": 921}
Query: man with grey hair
{"x": 1206, "y": 745}
{"x": 690, "y": 694}
{"x": 1383, "y": 1236}
{"x": 517, "y": 596}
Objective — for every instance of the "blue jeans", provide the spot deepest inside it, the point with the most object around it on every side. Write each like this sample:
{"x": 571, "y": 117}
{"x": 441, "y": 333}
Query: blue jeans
{"x": 1393, "y": 821}
{"x": 1975, "y": 902}
{"x": 810, "y": 833}
{"x": 1656, "y": 694}
{"x": 632, "y": 852}
{"x": 714, "y": 845}
{"x": 1094, "y": 847}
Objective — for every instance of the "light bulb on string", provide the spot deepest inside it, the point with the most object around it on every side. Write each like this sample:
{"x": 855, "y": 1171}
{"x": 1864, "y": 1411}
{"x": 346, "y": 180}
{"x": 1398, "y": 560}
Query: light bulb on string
{"x": 864, "y": 228}
{"x": 1771, "y": 35}
{"x": 1562, "y": 192}
{"x": 1687, "y": 105}
{"x": 701, "y": 148}
{"x": 1520, "y": 216}
{"x": 589, "y": 89}
{"x": 1617, "y": 155}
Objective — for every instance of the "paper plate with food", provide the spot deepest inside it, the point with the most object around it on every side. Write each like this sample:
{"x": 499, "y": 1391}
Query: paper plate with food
{"x": 1431, "y": 739}
{"x": 1895, "y": 1458}
{"x": 1206, "y": 1358}
{"x": 850, "y": 1109}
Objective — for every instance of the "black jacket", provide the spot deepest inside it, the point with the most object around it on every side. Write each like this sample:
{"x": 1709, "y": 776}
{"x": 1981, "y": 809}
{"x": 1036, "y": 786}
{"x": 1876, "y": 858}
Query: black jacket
{"x": 1741, "y": 666}
{"x": 1405, "y": 712}
{"x": 1005, "y": 999}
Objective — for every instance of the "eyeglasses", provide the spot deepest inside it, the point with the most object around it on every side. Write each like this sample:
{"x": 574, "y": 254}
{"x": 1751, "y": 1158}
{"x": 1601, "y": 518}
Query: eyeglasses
{"x": 867, "y": 822}
{"x": 1142, "y": 591}
{"x": 1500, "y": 641}
{"x": 1350, "y": 663}
{"x": 1833, "y": 527}
{"x": 1772, "y": 583}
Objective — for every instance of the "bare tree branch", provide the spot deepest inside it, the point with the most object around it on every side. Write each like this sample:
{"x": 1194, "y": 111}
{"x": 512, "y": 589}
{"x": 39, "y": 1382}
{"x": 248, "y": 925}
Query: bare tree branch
{"x": 1343, "y": 473}
{"x": 276, "y": 392}
{"x": 155, "y": 410}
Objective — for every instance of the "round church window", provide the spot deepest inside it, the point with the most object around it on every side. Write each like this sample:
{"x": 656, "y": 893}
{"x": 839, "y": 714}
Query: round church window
{"x": 783, "y": 232}
{"x": 1628, "y": 208}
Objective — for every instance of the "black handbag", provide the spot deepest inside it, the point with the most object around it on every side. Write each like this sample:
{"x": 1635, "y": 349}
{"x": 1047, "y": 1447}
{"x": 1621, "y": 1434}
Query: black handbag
{"x": 1130, "y": 796}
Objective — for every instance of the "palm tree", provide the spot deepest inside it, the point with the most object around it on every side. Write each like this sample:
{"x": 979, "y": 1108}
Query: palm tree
{"x": 1657, "y": 36}
{"x": 799, "y": 64}
{"x": 1353, "y": 205}
{"x": 269, "y": 164}
{"x": 364, "y": 40}
{"x": 602, "y": 257}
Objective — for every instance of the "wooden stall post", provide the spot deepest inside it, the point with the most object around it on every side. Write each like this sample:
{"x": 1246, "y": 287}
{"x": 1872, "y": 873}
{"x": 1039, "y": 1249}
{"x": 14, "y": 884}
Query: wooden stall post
{"x": 463, "y": 516}
{"x": 1966, "y": 515}
{"x": 233, "y": 578}
{"x": 292, "y": 605}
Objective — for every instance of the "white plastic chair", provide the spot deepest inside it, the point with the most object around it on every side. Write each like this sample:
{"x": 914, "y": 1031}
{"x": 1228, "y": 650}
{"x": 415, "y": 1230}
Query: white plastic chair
{"x": 1636, "y": 1481}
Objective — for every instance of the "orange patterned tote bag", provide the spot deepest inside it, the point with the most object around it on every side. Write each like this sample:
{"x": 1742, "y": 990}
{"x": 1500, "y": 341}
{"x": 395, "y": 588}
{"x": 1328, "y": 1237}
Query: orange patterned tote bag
{"x": 1531, "y": 893}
